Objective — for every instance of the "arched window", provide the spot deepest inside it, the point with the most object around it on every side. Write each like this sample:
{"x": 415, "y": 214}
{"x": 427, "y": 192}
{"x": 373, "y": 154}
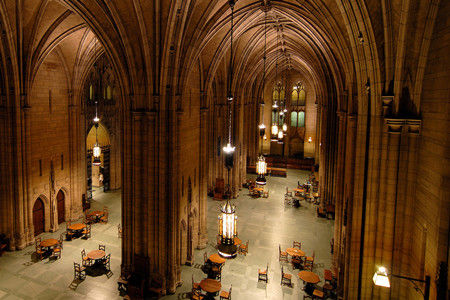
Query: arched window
{"x": 302, "y": 97}
{"x": 91, "y": 92}
{"x": 294, "y": 97}
{"x": 294, "y": 119}
{"x": 109, "y": 92}
{"x": 301, "y": 119}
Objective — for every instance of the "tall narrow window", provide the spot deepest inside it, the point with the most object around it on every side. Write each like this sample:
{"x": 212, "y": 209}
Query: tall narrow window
{"x": 294, "y": 119}
{"x": 109, "y": 92}
{"x": 302, "y": 97}
{"x": 301, "y": 119}
{"x": 91, "y": 92}
{"x": 294, "y": 97}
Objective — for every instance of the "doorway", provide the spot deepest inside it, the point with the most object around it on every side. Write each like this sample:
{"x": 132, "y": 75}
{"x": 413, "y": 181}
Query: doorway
{"x": 60, "y": 198}
{"x": 38, "y": 217}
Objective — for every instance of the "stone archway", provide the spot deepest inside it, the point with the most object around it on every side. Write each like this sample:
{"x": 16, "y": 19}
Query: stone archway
{"x": 61, "y": 206}
{"x": 38, "y": 217}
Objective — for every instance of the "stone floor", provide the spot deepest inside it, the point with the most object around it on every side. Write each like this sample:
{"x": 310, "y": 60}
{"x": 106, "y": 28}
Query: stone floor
{"x": 266, "y": 223}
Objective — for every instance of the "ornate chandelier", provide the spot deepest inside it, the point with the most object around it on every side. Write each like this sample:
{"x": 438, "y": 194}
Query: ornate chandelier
{"x": 96, "y": 151}
{"x": 227, "y": 230}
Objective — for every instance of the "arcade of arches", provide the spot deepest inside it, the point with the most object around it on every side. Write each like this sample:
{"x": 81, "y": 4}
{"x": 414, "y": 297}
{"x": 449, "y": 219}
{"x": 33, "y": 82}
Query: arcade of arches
{"x": 366, "y": 90}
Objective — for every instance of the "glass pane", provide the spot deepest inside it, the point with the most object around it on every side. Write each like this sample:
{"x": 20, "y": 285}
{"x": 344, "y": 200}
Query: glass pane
{"x": 275, "y": 95}
{"x": 302, "y": 97}
{"x": 109, "y": 93}
{"x": 274, "y": 117}
{"x": 294, "y": 97}
{"x": 294, "y": 119}
{"x": 301, "y": 119}
{"x": 282, "y": 94}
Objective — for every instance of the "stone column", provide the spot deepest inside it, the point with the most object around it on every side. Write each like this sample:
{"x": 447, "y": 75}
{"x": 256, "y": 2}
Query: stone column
{"x": 203, "y": 180}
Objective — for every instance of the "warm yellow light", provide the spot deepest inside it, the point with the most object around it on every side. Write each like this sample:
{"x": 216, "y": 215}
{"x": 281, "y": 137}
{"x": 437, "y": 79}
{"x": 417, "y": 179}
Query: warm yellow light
{"x": 262, "y": 126}
{"x": 280, "y": 135}
{"x": 261, "y": 167}
{"x": 284, "y": 127}
{"x": 309, "y": 140}
{"x": 380, "y": 278}
{"x": 228, "y": 149}
{"x": 96, "y": 151}
{"x": 274, "y": 129}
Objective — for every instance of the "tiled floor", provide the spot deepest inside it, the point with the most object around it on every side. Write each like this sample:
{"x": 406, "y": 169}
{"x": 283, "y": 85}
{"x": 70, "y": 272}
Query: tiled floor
{"x": 264, "y": 222}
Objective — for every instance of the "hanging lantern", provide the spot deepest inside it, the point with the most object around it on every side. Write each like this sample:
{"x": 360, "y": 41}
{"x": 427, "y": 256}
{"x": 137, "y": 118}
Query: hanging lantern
{"x": 280, "y": 137}
{"x": 261, "y": 169}
{"x": 274, "y": 133}
{"x": 284, "y": 127}
{"x": 262, "y": 130}
{"x": 227, "y": 230}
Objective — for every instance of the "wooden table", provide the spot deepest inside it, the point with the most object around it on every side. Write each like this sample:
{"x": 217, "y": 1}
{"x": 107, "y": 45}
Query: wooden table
{"x": 77, "y": 227}
{"x": 299, "y": 191}
{"x": 237, "y": 241}
{"x": 96, "y": 254}
{"x": 49, "y": 243}
{"x": 259, "y": 189}
{"x": 216, "y": 259}
{"x": 308, "y": 277}
{"x": 295, "y": 252}
{"x": 210, "y": 285}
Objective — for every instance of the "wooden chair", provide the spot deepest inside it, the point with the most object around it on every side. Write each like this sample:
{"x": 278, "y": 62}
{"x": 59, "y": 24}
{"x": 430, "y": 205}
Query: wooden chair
{"x": 296, "y": 262}
{"x": 195, "y": 285}
{"x": 197, "y": 295}
{"x": 122, "y": 282}
{"x": 102, "y": 247}
{"x": 265, "y": 194}
{"x": 243, "y": 249}
{"x": 328, "y": 289}
{"x": 107, "y": 262}
{"x": 226, "y": 295}
{"x": 39, "y": 252}
{"x": 119, "y": 231}
{"x": 79, "y": 271}
{"x": 288, "y": 192}
{"x": 263, "y": 275}
{"x": 87, "y": 231}
{"x": 286, "y": 279}
{"x": 317, "y": 294}
{"x": 309, "y": 262}
{"x": 104, "y": 218}
{"x": 61, "y": 239}
{"x": 217, "y": 271}
{"x": 328, "y": 276}
{"x": 205, "y": 257}
{"x": 283, "y": 255}
{"x": 219, "y": 240}
{"x": 56, "y": 252}
{"x": 86, "y": 261}
{"x": 297, "y": 245}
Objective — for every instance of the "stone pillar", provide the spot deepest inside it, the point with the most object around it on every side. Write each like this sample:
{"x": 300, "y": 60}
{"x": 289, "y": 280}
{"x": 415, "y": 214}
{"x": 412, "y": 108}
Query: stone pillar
{"x": 203, "y": 178}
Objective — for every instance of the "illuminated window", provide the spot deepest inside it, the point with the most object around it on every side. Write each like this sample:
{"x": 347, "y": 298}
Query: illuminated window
{"x": 109, "y": 92}
{"x": 294, "y": 119}
{"x": 91, "y": 92}
{"x": 301, "y": 119}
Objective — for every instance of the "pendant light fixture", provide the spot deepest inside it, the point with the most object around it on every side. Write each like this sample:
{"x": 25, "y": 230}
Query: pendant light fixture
{"x": 229, "y": 149}
{"x": 96, "y": 151}
{"x": 261, "y": 165}
{"x": 275, "y": 111}
{"x": 227, "y": 218}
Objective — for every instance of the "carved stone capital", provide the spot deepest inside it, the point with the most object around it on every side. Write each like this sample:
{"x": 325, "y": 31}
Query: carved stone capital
{"x": 398, "y": 126}
{"x": 387, "y": 103}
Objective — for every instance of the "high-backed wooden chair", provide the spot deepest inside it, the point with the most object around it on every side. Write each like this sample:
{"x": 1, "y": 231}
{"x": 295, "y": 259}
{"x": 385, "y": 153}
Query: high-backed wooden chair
{"x": 297, "y": 245}
{"x": 102, "y": 247}
{"x": 288, "y": 192}
{"x": 195, "y": 285}
{"x": 39, "y": 252}
{"x": 263, "y": 274}
{"x": 87, "y": 231}
{"x": 286, "y": 279}
{"x": 197, "y": 295}
{"x": 107, "y": 262}
{"x": 309, "y": 261}
{"x": 226, "y": 295}
{"x": 283, "y": 256}
{"x": 86, "y": 261}
{"x": 243, "y": 249}
{"x": 205, "y": 257}
{"x": 79, "y": 271}
{"x": 56, "y": 253}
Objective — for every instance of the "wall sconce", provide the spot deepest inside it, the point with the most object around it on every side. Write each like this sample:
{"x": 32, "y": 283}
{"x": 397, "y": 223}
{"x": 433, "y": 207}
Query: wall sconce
{"x": 381, "y": 278}
{"x": 309, "y": 140}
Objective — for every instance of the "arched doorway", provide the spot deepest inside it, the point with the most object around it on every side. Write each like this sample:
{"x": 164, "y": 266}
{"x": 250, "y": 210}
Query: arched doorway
{"x": 60, "y": 199}
{"x": 38, "y": 217}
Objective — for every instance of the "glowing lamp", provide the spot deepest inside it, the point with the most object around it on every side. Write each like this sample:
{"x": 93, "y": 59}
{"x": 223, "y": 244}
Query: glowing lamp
{"x": 280, "y": 137}
{"x": 284, "y": 127}
{"x": 381, "y": 278}
{"x": 261, "y": 169}
{"x": 228, "y": 149}
{"x": 227, "y": 230}
{"x": 309, "y": 140}
{"x": 262, "y": 129}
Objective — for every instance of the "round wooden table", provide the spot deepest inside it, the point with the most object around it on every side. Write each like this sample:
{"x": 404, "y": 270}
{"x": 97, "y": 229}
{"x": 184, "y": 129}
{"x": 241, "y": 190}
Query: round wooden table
{"x": 295, "y": 252}
{"x": 308, "y": 277}
{"x": 210, "y": 285}
{"x": 216, "y": 259}
{"x": 49, "y": 243}
{"x": 97, "y": 213}
{"x": 299, "y": 190}
{"x": 96, "y": 254}
{"x": 77, "y": 226}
